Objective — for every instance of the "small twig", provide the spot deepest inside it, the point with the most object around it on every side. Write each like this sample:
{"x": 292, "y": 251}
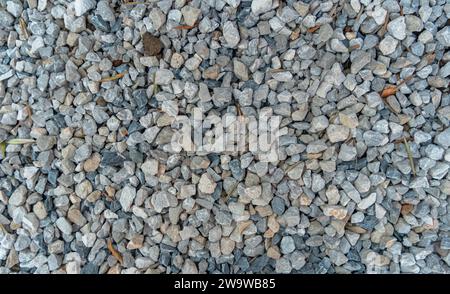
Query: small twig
{"x": 114, "y": 252}
{"x": 313, "y": 29}
{"x": 388, "y": 91}
{"x": 23, "y": 27}
{"x": 400, "y": 141}
{"x": 238, "y": 109}
{"x": 383, "y": 29}
{"x": 292, "y": 167}
{"x": 228, "y": 195}
{"x": 184, "y": 27}
{"x": 155, "y": 86}
{"x": 411, "y": 161}
{"x": 134, "y": 3}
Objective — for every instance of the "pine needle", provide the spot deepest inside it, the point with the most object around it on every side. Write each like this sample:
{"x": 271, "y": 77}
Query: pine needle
{"x": 3, "y": 149}
{"x": 17, "y": 141}
{"x": 113, "y": 78}
{"x": 134, "y": 3}
{"x": 20, "y": 141}
{"x": 411, "y": 161}
{"x": 114, "y": 252}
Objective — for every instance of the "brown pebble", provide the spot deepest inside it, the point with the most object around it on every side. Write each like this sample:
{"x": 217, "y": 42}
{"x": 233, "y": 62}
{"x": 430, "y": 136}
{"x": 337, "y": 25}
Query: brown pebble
{"x": 92, "y": 163}
{"x": 152, "y": 45}
{"x": 101, "y": 102}
{"x": 406, "y": 208}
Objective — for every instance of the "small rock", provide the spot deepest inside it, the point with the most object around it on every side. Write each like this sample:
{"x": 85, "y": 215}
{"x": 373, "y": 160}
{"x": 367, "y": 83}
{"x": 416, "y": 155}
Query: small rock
{"x": 83, "y": 6}
{"x": 152, "y": 44}
{"x": 83, "y": 189}
{"x": 190, "y": 14}
{"x": 368, "y": 201}
{"x": 64, "y": 226}
{"x": 19, "y": 196}
{"x": 206, "y": 184}
{"x": 443, "y": 138}
{"x": 337, "y": 133}
{"x": 261, "y": 6}
{"x": 163, "y": 77}
{"x": 127, "y": 197}
{"x": 240, "y": 70}
{"x": 387, "y": 45}
{"x": 163, "y": 199}
{"x": 335, "y": 211}
{"x": 45, "y": 143}
{"x": 443, "y": 36}
{"x": 287, "y": 245}
{"x": 231, "y": 34}
{"x": 397, "y": 28}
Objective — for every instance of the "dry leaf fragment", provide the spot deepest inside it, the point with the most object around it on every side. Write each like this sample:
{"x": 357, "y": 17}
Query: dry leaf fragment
{"x": 117, "y": 62}
{"x": 354, "y": 47}
{"x": 114, "y": 252}
{"x": 113, "y": 78}
{"x": 313, "y": 29}
{"x": 388, "y": 91}
{"x": 23, "y": 27}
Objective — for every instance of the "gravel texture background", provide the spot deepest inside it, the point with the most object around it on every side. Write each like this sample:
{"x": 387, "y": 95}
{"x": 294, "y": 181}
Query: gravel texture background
{"x": 361, "y": 183}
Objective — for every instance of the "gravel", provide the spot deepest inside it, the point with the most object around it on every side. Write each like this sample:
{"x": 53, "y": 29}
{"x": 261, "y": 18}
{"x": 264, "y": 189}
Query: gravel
{"x": 358, "y": 181}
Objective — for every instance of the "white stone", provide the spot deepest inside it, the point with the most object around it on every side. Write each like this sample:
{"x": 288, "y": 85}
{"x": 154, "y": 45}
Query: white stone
{"x": 397, "y": 28}
{"x": 127, "y": 197}
{"x": 206, "y": 184}
{"x": 231, "y": 34}
{"x": 83, "y": 6}
{"x": 387, "y": 45}
{"x": 261, "y": 6}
